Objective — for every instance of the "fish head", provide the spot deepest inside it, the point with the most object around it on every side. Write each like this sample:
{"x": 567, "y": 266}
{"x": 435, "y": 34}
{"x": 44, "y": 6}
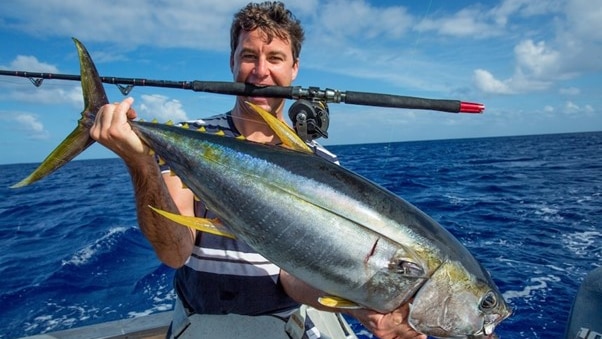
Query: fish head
{"x": 454, "y": 303}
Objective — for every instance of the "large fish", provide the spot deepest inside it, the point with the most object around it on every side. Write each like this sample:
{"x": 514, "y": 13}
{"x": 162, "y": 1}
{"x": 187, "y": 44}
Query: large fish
{"x": 361, "y": 244}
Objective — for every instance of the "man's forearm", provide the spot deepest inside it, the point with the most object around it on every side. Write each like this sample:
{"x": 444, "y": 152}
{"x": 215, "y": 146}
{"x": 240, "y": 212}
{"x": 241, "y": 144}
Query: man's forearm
{"x": 172, "y": 242}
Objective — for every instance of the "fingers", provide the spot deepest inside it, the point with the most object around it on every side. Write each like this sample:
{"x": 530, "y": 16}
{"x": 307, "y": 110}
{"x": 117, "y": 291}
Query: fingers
{"x": 393, "y": 325}
{"x": 112, "y": 129}
{"x": 110, "y": 118}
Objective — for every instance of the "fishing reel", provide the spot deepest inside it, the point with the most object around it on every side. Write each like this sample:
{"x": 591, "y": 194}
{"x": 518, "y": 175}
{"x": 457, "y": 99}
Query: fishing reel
{"x": 310, "y": 118}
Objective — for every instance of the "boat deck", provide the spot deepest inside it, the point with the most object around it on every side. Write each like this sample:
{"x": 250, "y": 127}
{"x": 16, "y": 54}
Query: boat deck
{"x": 152, "y": 326}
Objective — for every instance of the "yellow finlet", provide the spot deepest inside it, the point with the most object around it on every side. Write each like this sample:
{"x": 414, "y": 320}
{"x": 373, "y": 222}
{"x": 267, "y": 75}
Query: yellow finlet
{"x": 202, "y": 129}
{"x": 212, "y": 226}
{"x": 288, "y": 137}
{"x": 221, "y": 133}
{"x": 338, "y": 302}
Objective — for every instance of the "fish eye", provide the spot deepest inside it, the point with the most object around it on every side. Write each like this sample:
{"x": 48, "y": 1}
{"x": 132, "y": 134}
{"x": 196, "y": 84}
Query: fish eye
{"x": 488, "y": 302}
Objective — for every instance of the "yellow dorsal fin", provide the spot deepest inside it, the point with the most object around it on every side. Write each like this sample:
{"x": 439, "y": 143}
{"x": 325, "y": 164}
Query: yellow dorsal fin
{"x": 338, "y": 302}
{"x": 287, "y": 136}
{"x": 213, "y": 226}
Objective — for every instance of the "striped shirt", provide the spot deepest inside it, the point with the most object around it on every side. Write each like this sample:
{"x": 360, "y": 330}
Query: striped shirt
{"x": 225, "y": 275}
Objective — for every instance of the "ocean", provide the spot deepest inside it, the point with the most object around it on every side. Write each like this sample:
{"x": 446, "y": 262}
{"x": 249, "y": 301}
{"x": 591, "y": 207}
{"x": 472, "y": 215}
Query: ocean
{"x": 528, "y": 207}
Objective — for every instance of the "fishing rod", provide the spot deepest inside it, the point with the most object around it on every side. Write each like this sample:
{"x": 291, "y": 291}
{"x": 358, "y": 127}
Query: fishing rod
{"x": 309, "y": 113}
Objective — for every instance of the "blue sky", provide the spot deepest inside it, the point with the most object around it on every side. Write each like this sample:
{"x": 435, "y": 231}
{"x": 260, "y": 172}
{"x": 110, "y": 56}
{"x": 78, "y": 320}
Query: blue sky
{"x": 535, "y": 64}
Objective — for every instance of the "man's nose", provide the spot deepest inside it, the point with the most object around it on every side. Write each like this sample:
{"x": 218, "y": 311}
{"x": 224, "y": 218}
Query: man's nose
{"x": 261, "y": 67}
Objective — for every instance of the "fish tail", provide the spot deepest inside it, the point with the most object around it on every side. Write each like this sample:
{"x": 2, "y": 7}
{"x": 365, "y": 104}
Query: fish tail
{"x": 79, "y": 139}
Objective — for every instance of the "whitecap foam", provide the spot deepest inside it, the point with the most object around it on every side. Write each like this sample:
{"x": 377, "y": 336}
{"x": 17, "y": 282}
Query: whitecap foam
{"x": 528, "y": 291}
{"x": 84, "y": 255}
{"x": 583, "y": 243}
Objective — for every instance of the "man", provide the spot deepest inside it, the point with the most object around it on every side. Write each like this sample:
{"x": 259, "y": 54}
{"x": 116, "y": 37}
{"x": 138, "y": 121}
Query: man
{"x": 216, "y": 275}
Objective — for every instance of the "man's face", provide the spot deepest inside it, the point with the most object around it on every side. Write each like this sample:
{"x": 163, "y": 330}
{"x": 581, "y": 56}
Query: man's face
{"x": 256, "y": 62}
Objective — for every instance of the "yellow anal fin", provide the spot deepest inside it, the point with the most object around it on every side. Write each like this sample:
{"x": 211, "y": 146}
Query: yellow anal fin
{"x": 212, "y": 226}
{"x": 287, "y": 136}
{"x": 338, "y": 302}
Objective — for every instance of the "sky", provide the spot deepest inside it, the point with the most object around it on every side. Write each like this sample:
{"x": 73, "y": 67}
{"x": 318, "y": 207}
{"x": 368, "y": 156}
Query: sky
{"x": 535, "y": 64}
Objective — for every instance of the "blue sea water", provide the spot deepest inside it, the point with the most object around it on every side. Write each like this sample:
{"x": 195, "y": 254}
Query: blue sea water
{"x": 529, "y": 208}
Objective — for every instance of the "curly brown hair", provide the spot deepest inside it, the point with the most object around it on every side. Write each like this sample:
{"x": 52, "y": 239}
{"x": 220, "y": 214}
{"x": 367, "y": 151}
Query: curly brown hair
{"x": 273, "y": 19}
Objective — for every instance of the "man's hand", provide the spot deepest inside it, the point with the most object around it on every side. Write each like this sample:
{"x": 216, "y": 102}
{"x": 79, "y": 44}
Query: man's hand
{"x": 392, "y": 325}
{"x": 112, "y": 130}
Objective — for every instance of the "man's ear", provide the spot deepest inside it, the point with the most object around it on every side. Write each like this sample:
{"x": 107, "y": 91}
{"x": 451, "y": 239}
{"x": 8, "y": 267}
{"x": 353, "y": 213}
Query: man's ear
{"x": 295, "y": 69}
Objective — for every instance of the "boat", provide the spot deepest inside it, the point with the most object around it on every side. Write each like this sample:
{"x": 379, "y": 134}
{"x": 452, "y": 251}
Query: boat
{"x": 585, "y": 318}
{"x": 154, "y": 326}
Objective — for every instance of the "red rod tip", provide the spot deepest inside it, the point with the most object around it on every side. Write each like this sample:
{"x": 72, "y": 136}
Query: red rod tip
{"x": 471, "y": 107}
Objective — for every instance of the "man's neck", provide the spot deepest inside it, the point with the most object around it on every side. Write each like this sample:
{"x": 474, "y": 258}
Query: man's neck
{"x": 252, "y": 126}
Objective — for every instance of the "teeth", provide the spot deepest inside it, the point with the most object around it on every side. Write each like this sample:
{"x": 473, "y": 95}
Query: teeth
{"x": 488, "y": 328}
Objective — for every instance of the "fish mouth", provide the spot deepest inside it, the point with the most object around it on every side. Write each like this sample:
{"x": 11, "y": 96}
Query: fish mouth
{"x": 489, "y": 325}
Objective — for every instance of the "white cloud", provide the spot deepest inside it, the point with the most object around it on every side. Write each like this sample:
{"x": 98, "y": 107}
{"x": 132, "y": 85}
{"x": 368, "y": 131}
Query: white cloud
{"x": 162, "y": 108}
{"x": 487, "y": 83}
{"x": 468, "y": 22}
{"x": 30, "y": 63}
{"x": 192, "y": 23}
{"x": 571, "y": 108}
{"x": 536, "y": 59}
{"x": 569, "y": 91}
{"x": 46, "y": 95}
{"x": 357, "y": 20}
{"x": 573, "y": 48}
{"x": 28, "y": 123}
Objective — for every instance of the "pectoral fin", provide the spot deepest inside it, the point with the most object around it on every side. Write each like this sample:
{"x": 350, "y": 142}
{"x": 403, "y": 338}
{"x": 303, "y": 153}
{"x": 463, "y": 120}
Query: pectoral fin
{"x": 287, "y": 136}
{"x": 212, "y": 226}
{"x": 338, "y": 302}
